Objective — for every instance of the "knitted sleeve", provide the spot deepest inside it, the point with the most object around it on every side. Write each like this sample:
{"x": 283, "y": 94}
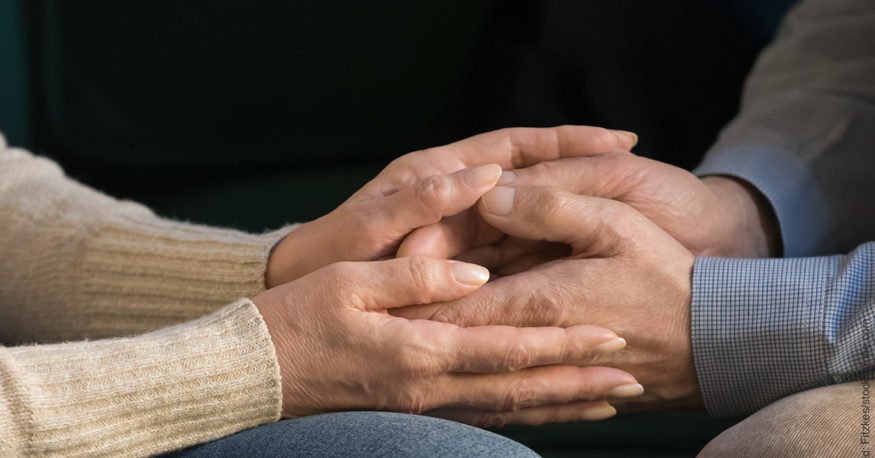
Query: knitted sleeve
{"x": 75, "y": 263}
{"x": 143, "y": 395}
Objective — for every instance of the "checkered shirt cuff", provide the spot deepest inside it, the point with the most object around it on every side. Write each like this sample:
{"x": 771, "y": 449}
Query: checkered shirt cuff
{"x": 763, "y": 329}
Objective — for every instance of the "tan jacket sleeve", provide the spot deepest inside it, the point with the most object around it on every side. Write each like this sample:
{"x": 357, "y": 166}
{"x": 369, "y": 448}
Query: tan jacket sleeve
{"x": 804, "y": 136}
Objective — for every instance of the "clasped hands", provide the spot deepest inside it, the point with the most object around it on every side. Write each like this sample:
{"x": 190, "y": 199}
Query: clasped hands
{"x": 383, "y": 304}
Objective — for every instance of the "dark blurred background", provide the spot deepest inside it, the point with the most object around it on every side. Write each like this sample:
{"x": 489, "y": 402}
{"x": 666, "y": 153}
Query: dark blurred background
{"x": 256, "y": 113}
{"x": 253, "y": 114}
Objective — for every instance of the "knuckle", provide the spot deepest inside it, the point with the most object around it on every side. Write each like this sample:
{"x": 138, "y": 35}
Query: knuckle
{"x": 562, "y": 134}
{"x": 521, "y": 396}
{"x": 434, "y": 191}
{"x": 517, "y": 357}
{"x": 613, "y": 222}
{"x": 511, "y": 137}
{"x": 552, "y": 203}
{"x": 413, "y": 401}
{"x": 424, "y": 278}
{"x": 493, "y": 420}
{"x": 589, "y": 390}
{"x": 577, "y": 351}
{"x": 546, "y": 307}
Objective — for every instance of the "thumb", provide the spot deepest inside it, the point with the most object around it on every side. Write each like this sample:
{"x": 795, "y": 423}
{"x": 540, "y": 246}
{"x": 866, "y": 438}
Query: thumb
{"x": 450, "y": 237}
{"x": 429, "y": 200}
{"x": 591, "y": 225}
{"x": 401, "y": 282}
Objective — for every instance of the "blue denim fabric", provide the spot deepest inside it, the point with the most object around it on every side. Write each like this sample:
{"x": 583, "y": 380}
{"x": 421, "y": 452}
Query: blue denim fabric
{"x": 352, "y": 434}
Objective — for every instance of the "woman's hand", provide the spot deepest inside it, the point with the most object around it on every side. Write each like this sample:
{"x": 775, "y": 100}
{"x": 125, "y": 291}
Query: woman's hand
{"x": 423, "y": 187}
{"x": 339, "y": 349}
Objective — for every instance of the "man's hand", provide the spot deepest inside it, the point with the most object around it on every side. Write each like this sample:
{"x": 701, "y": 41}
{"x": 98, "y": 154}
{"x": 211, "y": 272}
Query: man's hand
{"x": 423, "y": 187}
{"x": 339, "y": 349}
{"x": 623, "y": 273}
{"x": 714, "y": 216}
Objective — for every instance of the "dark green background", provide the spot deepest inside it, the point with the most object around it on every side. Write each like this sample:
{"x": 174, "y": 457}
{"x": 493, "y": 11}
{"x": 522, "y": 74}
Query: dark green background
{"x": 13, "y": 92}
{"x": 252, "y": 114}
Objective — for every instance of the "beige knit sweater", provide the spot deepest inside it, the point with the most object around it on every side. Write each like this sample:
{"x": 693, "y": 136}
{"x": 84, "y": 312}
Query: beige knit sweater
{"x": 181, "y": 359}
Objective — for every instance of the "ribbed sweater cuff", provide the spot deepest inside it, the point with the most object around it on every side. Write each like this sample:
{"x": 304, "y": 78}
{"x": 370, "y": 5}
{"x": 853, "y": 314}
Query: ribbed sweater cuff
{"x": 139, "y": 272}
{"x": 141, "y": 395}
{"x": 157, "y": 265}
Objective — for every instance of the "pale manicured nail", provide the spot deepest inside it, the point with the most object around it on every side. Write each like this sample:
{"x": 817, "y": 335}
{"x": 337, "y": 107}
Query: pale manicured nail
{"x": 499, "y": 201}
{"x": 610, "y": 346}
{"x": 627, "y": 391}
{"x": 506, "y": 178}
{"x": 599, "y": 413}
{"x": 483, "y": 176}
{"x": 470, "y": 274}
{"x": 626, "y": 136}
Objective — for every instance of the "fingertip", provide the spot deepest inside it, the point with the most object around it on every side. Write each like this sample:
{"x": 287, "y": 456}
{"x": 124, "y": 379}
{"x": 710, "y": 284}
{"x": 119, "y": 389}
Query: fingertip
{"x": 625, "y": 139}
{"x": 499, "y": 201}
{"x": 592, "y": 333}
{"x": 483, "y": 177}
{"x": 599, "y": 412}
{"x": 469, "y": 274}
{"x": 623, "y": 378}
{"x": 629, "y": 390}
{"x": 507, "y": 178}
{"x": 610, "y": 346}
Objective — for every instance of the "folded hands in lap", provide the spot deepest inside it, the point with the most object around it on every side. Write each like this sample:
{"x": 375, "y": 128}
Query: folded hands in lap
{"x": 591, "y": 242}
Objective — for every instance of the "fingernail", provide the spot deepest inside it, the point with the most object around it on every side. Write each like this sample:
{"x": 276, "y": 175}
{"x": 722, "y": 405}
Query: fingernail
{"x": 483, "y": 176}
{"x": 599, "y": 413}
{"x": 625, "y": 137}
{"x": 506, "y": 178}
{"x": 610, "y": 346}
{"x": 499, "y": 201}
{"x": 627, "y": 391}
{"x": 470, "y": 274}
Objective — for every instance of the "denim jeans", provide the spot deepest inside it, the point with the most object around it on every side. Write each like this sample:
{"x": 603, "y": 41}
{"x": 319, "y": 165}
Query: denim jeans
{"x": 351, "y": 434}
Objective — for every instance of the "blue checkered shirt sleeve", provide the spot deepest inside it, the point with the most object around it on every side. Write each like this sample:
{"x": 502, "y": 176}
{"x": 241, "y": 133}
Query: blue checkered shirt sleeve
{"x": 763, "y": 329}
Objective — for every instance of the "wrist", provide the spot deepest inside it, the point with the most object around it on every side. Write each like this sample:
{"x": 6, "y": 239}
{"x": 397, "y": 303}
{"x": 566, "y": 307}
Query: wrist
{"x": 302, "y": 251}
{"x": 746, "y": 217}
